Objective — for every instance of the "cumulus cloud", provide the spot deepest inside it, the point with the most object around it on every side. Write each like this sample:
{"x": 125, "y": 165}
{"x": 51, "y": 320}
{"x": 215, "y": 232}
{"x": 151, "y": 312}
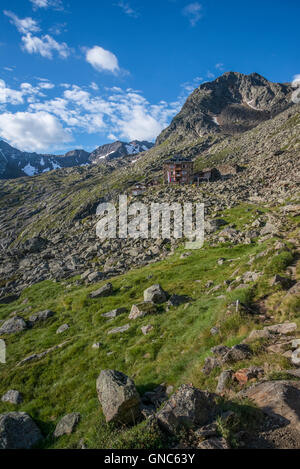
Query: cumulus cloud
{"x": 10, "y": 96}
{"x": 193, "y": 11}
{"x": 102, "y": 60}
{"x": 45, "y": 46}
{"x": 25, "y": 25}
{"x": 33, "y": 131}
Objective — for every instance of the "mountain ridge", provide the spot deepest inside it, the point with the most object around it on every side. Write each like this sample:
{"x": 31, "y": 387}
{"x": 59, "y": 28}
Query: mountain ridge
{"x": 15, "y": 163}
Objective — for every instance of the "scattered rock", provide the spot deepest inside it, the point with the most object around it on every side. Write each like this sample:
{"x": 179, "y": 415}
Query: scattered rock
{"x": 38, "y": 356}
{"x": 187, "y": 408}
{"x": 210, "y": 364}
{"x": 247, "y": 374}
{"x": 67, "y": 424}
{"x": 215, "y": 331}
{"x": 62, "y": 329}
{"x": 13, "y": 325}
{"x": 284, "y": 329}
{"x": 147, "y": 329}
{"x": 114, "y": 313}
{"x": 283, "y": 281}
{"x": 18, "y": 431}
{"x": 119, "y": 330}
{"x": 119, "y": 398}
{"x": 142, "y": 309}
{"x": 13, "y": 397}
{"x": 97, "y": 345}
{"x": 102, "y": 292}
{"x": 295, "y": 358}
{"x": 257, "y": 335}
{"x": 237, "y": 353}
{"x": 41, "y": 316}
{"x": 214, "y": 443}
{"x": 155, "y": 294}
{"x": 224, "y": 381}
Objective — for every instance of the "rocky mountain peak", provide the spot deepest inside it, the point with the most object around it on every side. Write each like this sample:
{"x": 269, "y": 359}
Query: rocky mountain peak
{"x": 233, "y": 103}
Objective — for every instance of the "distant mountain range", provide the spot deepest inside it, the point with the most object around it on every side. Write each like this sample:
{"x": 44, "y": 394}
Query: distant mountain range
{"x": 15, "y": 163}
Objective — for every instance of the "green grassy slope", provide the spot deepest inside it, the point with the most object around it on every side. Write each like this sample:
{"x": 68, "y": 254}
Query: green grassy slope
{"x": 173, "y": 353}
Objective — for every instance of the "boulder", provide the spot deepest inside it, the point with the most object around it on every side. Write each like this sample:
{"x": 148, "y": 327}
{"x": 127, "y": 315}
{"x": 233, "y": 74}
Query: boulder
{"x": 142, "y": 309}
{"x": 210, "y": 364}
{"x": 187, "y": 408}
{"x": 102, "y": 292}
{"x": 257, "y": 335}
{"x": 237, "y": 353}
{"x": 18, "y": 431}
{"x": 114, "y": 313}
{"x": 12, "y": 396}
{"x": 278, "y": 398}
{"x": 284, "y": 329}
{"x": 119, "y": 330}
{"x": 62, "y": 329}
{"x": 224, "y": 381}
{"x": 67, "y": 424}
{"x": 119, "y": 398}
{"x": 147, "y": 329}
{"x": 246, "y": 374}
{"x": 41, "y": 316}
{"x": 156, "y": 294}
{"x": 13, "y": 325}
{"x": 295, "y": 358}
{"x": 214, "y": 443}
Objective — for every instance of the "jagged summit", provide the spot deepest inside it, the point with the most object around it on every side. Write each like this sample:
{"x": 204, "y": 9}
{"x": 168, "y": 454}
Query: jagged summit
{"x": 232, "y": 103}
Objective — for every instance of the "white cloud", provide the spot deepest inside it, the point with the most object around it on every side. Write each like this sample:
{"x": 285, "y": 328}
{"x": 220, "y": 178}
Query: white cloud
{"x": 25, "y": 25}
{"x": 45, "y": 46}
{"x": 94, "y": 86}
{"x": 45, "y": 85}
{"x": 102, "y": 60}
{"x": 33, "y": 131}
{"x": 193, "y": 12}
{"x": 127, "y": 9}
{"x": 10, "y": 96}
{"x": 56, "y": 4}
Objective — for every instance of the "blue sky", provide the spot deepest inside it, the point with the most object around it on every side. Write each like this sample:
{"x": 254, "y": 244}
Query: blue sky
{"x": 79, "y": 74}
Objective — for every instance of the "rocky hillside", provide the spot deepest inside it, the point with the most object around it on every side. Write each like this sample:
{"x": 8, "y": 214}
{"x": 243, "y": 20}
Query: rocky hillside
{"x": 15, "y": 163}
{"x": 141, "y": 318}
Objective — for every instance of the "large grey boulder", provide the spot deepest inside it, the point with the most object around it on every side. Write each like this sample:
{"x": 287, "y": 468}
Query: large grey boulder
{"x": 102, "y": 292}
{"x": 279, "y": 399}
{"x": 18, "y": 431}
{"x": 118, "y": 396}
{"x": 13, "y": 325}
{"x": 187, "y": 408}
{"x": 156, "y": 294}
{"x": 12, "y": 396}
{"x": 41, "y": 316}
{"x": 67, "y": 424}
